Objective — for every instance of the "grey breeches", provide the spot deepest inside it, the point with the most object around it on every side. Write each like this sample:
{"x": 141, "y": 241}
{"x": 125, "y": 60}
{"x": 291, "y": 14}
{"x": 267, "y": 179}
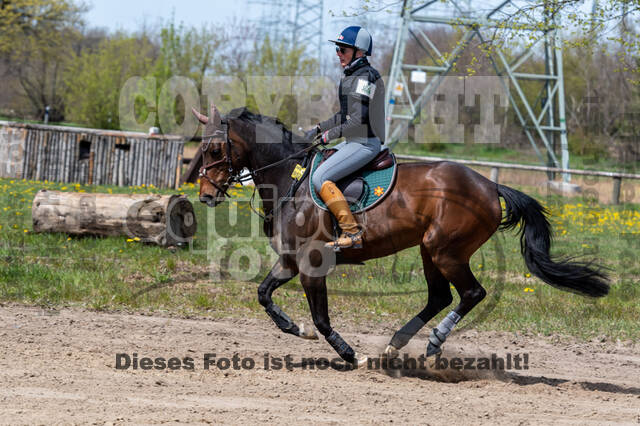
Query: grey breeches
{"x": 352, "y": 155}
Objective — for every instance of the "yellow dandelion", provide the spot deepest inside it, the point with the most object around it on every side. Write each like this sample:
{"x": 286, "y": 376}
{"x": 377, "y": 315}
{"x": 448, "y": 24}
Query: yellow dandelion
{"x": 136, "y": 239}
{"x": 344, "y": 275}
{"x": 129, "y": 240}
{"x": 528, "y": 290}
{"x": 527, "y": 275}
{"x": 25, "y": 231}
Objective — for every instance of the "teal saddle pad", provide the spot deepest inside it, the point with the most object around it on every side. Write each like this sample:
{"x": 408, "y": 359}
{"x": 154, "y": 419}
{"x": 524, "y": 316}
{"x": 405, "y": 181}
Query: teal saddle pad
{"x": 378, "y": 183}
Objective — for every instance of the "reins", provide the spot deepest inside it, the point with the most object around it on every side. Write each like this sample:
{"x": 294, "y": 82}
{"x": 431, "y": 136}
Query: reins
{"x": 241, "y": 178}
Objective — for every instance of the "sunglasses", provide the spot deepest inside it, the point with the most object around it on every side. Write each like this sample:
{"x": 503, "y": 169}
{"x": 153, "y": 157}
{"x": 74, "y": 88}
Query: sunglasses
{"x": 340, "y": 49}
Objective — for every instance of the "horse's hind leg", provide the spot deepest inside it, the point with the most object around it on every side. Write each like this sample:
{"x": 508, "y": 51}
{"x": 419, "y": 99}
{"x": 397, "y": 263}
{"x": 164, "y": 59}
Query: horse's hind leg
{"x": 439, "y": 298}
{"x": 470, "y": 291}
{"x": 274, "y": 279}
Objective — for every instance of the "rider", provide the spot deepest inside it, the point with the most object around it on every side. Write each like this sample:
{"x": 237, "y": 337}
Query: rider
{"x": 360, "y": 121}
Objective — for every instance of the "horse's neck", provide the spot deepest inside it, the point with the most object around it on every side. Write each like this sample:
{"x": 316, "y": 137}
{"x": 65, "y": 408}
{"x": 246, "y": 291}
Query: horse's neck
{"x": 274, "y": 183}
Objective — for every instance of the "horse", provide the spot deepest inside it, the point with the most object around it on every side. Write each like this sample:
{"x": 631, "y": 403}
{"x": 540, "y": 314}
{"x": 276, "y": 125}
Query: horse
{"x": 446, "y": 208}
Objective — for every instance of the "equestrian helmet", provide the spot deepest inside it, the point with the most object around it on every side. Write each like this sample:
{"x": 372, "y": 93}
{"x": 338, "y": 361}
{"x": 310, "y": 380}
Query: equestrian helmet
{"x": 355, "y": 36}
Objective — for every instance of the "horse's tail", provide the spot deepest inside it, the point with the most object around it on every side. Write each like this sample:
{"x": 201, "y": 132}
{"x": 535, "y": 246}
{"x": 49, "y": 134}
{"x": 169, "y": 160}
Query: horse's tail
{"x": 535, "y": 241}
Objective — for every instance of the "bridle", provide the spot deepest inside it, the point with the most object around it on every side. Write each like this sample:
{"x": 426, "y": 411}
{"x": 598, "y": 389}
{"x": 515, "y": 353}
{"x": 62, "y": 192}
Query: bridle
{"x": 235, "y": 176}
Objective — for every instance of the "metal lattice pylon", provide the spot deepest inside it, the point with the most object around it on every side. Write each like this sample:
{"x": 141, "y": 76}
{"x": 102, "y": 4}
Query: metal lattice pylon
{"x": 543, "y": 119}
{"x": 297, "y": 22}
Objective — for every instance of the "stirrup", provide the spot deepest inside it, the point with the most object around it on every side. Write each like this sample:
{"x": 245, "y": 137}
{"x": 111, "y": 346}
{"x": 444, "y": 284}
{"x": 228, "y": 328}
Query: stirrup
{"x": 356, "y": 241}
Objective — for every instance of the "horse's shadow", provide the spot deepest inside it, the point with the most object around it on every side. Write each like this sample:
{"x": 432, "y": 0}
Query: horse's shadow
{"x": 429, "y": 372}
{"x": 449, "y": 375}
{"x": 586, "y": 385}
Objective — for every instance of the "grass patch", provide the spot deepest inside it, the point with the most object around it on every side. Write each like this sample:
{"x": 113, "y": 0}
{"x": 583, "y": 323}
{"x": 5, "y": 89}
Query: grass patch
{"x": 212, "y": 278}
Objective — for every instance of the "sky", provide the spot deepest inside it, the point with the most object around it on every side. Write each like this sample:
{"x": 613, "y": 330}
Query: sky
{"x": 131, "y": 15}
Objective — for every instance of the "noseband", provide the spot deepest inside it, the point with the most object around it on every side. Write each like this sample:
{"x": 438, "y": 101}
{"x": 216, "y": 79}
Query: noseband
{"x": 233, "y": 175}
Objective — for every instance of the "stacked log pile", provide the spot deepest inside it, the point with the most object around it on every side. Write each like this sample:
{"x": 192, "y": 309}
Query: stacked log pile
{"x": 96, "y": 157}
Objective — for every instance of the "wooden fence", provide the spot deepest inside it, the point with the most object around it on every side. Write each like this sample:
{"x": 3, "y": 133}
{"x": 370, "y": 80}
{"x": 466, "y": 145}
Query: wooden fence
{"x": 495, "y": 171}
{"x": 94, "y": 157}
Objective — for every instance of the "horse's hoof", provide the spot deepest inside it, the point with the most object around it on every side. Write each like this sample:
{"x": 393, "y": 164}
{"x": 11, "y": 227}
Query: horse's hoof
{"x": 361, "y": 361}
{"x": 433, "y": 350}
{"x": 391, "y": 352}
{"x": 307, "y": 334}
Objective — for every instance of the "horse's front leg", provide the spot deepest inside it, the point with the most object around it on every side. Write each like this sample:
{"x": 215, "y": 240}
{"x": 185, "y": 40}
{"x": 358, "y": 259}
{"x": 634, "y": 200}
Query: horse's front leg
{"x": 316, "y": 291}
{"x": 277, "y": 277}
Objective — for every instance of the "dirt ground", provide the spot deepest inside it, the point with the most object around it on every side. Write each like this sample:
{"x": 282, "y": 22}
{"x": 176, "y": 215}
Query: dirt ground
{"x": 59, "y": 367}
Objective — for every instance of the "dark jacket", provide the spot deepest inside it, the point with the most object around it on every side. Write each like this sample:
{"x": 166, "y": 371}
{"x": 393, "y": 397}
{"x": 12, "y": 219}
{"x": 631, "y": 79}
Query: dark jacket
{"x": 361, "y": 95}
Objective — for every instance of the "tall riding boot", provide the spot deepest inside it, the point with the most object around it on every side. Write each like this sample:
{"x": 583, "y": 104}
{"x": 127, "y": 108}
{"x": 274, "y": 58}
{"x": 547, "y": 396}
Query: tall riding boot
{"x": 351, "y": 236}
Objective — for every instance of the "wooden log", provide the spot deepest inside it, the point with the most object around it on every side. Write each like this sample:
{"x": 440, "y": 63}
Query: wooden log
{"x": 139, "y": 154}
{"x": 141, "y": 160}
{"x": 110, "y": 160}
{"x": 495, "y": 173}
{"x": 64, "y": 158}
{"x": 39, "y": 159}
{"x": 91, "y": 164}
{"x": 95, "y": 160}
{"x": 145, "y": 163}
{"x": 73, "y": 165}
{"x": 169, "y": 171}
{"x": 27, "y": 154}
{"x": 156, "y": 162}
{"x": 120, "y": 167}
{"x": 55, "y": 157}
{"x": 615, "y": 194}
{"x": 191, "y": 175}
{"x": 176, "y": 182}
{"x": 163, "y": 163}
{"x": 50, "y": 145}
{"x": 128, "y": 165}
{"x": 165, "y": 220}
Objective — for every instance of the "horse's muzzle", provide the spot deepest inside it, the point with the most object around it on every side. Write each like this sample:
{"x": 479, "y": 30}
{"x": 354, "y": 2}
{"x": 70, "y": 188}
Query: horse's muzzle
{"x": 210, "y": 200}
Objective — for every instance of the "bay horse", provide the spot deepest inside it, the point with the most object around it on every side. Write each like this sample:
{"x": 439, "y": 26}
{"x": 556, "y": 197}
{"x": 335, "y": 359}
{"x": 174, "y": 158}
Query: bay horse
{"x": 447, "y": 209}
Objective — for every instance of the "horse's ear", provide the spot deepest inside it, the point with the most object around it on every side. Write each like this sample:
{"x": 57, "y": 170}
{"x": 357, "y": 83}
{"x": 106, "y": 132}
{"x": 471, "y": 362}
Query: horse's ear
{"x": 201, "y": 117}
{"x": 215, "y": 116}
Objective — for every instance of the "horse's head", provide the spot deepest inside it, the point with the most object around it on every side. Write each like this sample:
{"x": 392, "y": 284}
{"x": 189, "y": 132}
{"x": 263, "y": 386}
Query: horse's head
{"x": 222, "y": 155}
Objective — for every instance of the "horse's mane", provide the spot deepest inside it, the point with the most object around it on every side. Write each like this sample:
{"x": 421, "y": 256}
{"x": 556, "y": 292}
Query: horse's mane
{"x": 284, "y": 140}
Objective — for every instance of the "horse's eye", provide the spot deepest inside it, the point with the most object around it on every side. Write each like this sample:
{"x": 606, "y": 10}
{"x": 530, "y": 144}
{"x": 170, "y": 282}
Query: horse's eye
{"x": 215, "y": 151}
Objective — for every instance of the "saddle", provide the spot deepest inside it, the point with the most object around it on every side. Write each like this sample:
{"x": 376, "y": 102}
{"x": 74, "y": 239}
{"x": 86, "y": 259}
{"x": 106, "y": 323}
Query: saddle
{"x": 352, "y": 186}
{"x": 381, "y": 161}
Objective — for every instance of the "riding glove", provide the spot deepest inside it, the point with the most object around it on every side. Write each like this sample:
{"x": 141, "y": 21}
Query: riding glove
{"x": 310, "y": 135}
{"x": 325, "y": 138}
